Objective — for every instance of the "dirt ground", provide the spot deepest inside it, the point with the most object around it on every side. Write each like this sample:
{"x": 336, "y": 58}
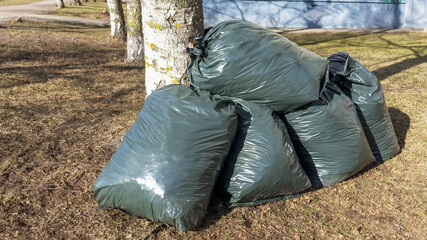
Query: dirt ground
{"x": 67, "y": 98}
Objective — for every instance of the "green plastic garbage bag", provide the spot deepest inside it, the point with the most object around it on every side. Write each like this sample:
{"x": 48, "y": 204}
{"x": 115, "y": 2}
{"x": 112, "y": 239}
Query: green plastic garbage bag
{"x": 169, "y": 160}
{"x": 358, "y": 83}
{"x": 262, "y": 165}
{"x": 242, "y": 60}
{"x": 328, "y": 138}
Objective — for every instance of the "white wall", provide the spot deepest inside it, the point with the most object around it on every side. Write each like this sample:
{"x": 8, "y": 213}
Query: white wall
{"x": 325, "y": 14}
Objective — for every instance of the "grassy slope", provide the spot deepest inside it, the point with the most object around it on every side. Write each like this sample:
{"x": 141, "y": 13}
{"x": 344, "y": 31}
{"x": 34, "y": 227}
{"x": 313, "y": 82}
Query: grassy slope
{"x": 16, "y": 2}
{"x": 65, "y": 107}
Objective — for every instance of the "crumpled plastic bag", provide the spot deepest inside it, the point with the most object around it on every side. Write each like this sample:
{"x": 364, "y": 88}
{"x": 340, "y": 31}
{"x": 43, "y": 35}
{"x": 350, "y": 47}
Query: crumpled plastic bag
{"x": 262, "y": 165}
{"x": 169, "y": 160}
{"x": 243, "y": 60}
{"x": 329, "y": 138}
{"x": 364, "y": 89}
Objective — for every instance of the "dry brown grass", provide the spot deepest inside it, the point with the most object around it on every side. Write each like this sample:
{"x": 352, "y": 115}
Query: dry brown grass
{"x": 93, "y": 10}
{"x": 67, "y": 99}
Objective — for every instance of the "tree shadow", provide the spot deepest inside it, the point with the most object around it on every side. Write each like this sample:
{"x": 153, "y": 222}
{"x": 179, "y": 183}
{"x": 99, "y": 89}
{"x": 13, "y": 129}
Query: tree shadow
{"x": 23, "y": 75}
{"x": 76, "y": 64}
{"x": 242, "y": 15}
{"x": 395, "y": 68}
{"x": 315, "y": 39}
{"x": 387, "y": 71}
{"x": 72, "y": 27}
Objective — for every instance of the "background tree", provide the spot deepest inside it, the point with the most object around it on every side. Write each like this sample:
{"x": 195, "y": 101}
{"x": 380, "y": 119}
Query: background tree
{"x": 77, "y": 2}
{"x": 135, "y": 40}
{"x": 167, "y": 26}
{"x": 60, "y": 3}
{"x": 117, "y": 20}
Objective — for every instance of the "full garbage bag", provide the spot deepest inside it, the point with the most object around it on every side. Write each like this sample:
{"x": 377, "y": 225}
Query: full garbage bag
{"x": 262, "y": 165}
{"x": 328, "y": 138}
{"x": 243, "y": 60}
{"x": 169, "y": 160}
{"x": 364, "y": 89}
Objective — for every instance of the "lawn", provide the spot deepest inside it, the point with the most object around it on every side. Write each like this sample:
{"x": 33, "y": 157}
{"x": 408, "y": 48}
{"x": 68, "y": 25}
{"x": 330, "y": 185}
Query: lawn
{"x": 68, "y": 98}
{"x": 94, "y": 10}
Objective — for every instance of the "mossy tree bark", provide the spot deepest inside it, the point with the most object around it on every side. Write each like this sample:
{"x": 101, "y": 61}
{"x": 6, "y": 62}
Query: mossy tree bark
{"x": 117, "y": 20}
{"x": 60, "y": 3}
{"x": 135, "y": 40}
{"x": 167, "y": 25}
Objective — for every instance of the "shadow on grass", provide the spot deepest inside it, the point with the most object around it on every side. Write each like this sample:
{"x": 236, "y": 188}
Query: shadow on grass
{"x": 216, "y": 210}
{"x": 305, "y": 39}
{"x": 407, "y": 63}
{"x": 55, "y": 26}
{"x": 395, "y": 68}
{"x": 40, "y": 74}
{"x": 74, "y": 52}
{"x": 401, "y": 123}
{"x": 75, "y": 67}
{"x": 413, "y": 58}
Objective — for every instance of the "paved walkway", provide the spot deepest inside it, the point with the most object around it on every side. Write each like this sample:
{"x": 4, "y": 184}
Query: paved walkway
{"x": 38, "y": 10}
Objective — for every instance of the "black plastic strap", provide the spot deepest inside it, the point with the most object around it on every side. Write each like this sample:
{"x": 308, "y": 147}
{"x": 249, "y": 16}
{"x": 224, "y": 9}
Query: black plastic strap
{"x": 338, "y": 63}
{"x": 197, "y": 49}
{"x": 194, "y": 51}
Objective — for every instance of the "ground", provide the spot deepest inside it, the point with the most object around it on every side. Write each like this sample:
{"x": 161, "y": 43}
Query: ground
{"x": 68, "y": 98}
{"x": 95, "y": 10}
{"x": 15, "y": 2}
{"x": 46, "y": 10}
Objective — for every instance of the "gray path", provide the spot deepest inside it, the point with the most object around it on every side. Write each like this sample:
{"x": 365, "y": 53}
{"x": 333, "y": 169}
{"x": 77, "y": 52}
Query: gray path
{"x": 38, "y": 10}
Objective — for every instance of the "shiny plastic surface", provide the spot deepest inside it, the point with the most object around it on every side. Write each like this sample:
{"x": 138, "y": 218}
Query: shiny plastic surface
{"x": 169, "y": 160}
{"x": 262, "y": 164}
{"x": 358, "y": 83}
{"x": 246, "y": 61}
{"x": 328, "y": 138}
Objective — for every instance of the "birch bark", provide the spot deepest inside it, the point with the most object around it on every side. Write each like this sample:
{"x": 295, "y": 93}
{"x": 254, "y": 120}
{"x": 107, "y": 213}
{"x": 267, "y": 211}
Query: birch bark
{"x": 135, "y": 40}
{"x": 60, "y": 3}
{"x": 77, "y": 2}
{"x": 167, "y": 25}
{"x": 117, "y": 20}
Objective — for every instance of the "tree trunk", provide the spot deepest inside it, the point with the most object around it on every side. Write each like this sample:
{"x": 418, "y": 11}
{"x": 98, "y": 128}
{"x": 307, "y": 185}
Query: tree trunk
{"x": 117, "y": 20}
{"x": 60, "y": 3}
{"x": 77, "y": 2}
{"x": 135, "y": 40}
{"x": 167, "y": 25}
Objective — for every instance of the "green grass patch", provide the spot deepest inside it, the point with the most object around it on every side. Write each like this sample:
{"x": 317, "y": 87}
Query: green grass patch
{"x": 68, "y": 98}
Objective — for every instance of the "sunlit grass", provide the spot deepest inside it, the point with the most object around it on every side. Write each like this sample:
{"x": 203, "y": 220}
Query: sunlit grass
{"x": 94, "y": 10}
